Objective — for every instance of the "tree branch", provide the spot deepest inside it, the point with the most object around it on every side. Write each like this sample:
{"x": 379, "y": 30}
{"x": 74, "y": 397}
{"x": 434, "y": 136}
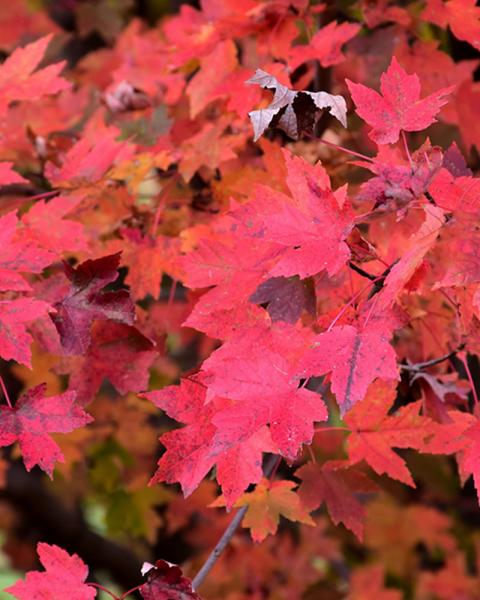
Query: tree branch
{"x": 430, "y": 363}
{"x": 228, "y": 533}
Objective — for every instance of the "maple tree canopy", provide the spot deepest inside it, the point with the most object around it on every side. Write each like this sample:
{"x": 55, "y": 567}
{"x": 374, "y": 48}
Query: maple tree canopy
{"x": 240, "y": 299}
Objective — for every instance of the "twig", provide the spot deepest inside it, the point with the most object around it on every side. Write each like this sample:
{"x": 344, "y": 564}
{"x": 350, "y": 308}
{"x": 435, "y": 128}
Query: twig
{"x": 361, "y": 272}
{"x": 430, "y": 363}
{"x": 228, "y": 533}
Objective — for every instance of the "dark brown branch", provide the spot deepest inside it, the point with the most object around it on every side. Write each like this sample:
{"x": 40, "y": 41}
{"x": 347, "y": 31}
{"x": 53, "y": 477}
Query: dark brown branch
{"x": 228, "y": 533}
{"x": 430, "y": 363}
{"x": 361, "y": 272}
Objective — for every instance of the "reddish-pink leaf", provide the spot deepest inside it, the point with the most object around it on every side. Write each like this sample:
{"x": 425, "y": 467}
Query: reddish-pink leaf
{"x": 18, "y": 80}
{"x": 18, "y": 254}
{"x": 33, "y": 418}
{"x": 325, "y": 46}
{"x": 354, "y": 357}
{"x": 398, "y": 107}
{"x": 119, "y": 353}
{"x": 165, "y": 581}
{"x": 259, "y": 369}
{"x": 375, "y": 433}
{"x": 338, "y": 488}
{"x": 309, "y": 228}
{"x": 193, "y": 450}
{"x": 463, "y": 17}
{"x": 46, "y": 226}
{"x": 8, "y": 175}
{"x": 15, "y": 315}
{"x": 88, "y": 160}
{"x": 86, "y": 302}
{"x": 64, "y": 577}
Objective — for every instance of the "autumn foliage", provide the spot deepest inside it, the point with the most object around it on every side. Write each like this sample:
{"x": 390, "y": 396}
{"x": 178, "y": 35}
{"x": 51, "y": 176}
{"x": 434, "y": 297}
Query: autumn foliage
{"x": 240, "y": 279}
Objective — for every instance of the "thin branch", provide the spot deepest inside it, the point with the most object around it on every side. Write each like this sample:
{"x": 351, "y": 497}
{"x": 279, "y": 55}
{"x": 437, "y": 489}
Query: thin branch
{"x": 228, "y": 533}
{"x": 430, "y": 363}
{"x": 104, "y": 589}
{"x": 361, "y": 272}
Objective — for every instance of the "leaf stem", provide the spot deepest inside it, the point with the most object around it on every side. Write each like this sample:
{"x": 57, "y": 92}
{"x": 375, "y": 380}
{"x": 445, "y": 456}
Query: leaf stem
{"x": 104, "y": 589}
{"x": 5, "y": 393}
{"x": 320, "y": 429}
{"x": 130, "y": 591}
{"x": 229, "y": 532}
{"x": 407, "y": 151}
{"x": 469, "y": 375}
{"x": 352, "y": 152}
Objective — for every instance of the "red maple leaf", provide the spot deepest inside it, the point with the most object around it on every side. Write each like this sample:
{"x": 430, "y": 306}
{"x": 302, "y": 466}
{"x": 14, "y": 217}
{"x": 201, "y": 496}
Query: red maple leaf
{"x": 15, "y": 315}
{"x": 85, "y": 302}
{"x": 325, "y": 46}
{"x": 18, "y": 254}
{"x": 309, "y": 228}
{"x": 46, "y": 226}
{"x": 165, "y": 581}
{"x": 64, "y": 577}
{"x": 8, "y": 175}
{"x": 18, "y": 80}
{"x": 338, "y": 487}
{"x": 463, "y": 17}
{"x": 33, "y": 418}
{"x": 119, "y": 353}
{"x": 398, "y": 107}
{"x": 259, "y": 369}
{"x": 87, "y": 161}
{"x": 354, "y": 357}
{"x": 193, "y": 450}
{"x": 375, "y": 433}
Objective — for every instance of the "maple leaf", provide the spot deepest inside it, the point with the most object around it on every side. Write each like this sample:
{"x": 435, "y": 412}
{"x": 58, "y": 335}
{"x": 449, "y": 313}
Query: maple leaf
{"x": 368, "y": 582}
{"x": 15, "y": 315}
{"x": 64, "y": 577}
{"x": 415, "y": 249}
{"x": 18, "y": 253}
{"x": 119, "y": 353}
{"x": 267, "y": 503}
{"x": 259, "y": 370}
{"x": 8, "y": 175}
{"x": 85, "y": 302}
{"x": 33, "y": 418}
{"x": 45, "y": 225}
{"x": 325, "y": 46}
{"x": 147, "y": 260}
{"x": 214, "y": 67}
{"x": 210, "y": 147}
{"x": 294, "y": 112}
{"x": 398, "y": 184}
{"x": 455, "y": 192}
{"x": 165, "y": 581}
{"x": 374, "y": 433}
{"x": 398, "y": 107}
{"x": 310, "y": 229}
{"x": 87, "y": 161}
{"x": 354, "y": 357}
{"x": 18, "y": 80}
{"x": 195, "y": 449}
{"x": 338, "y": 488}
{"x": 286, "y": 298}
{"x": 463, "y": 17}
